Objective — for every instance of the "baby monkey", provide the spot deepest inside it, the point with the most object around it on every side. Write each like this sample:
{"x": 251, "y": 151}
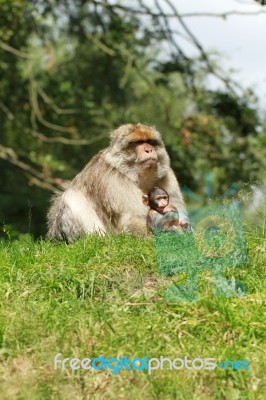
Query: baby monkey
{"x": 162, "y": 216}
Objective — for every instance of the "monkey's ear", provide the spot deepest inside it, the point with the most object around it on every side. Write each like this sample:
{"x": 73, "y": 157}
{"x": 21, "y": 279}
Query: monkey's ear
{"x": 145, "y": 199}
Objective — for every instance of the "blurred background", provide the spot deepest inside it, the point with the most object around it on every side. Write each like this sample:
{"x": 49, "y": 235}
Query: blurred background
{"x": 72, "y": 70}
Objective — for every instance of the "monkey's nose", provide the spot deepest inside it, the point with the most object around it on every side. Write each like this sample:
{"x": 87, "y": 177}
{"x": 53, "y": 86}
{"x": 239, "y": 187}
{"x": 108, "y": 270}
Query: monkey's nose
{"x": 148, "y": 149}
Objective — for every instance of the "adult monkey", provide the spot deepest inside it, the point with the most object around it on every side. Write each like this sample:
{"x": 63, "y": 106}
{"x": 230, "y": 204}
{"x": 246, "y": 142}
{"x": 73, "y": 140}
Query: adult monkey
{"x": 107, "y": 193}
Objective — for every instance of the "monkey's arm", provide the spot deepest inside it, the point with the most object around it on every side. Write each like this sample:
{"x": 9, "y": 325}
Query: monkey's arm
{"x": 169, "y": 208}
{"x": 124, "y": 200}
{"x": 170, "y": 184}
{"x": 163, "y": 222}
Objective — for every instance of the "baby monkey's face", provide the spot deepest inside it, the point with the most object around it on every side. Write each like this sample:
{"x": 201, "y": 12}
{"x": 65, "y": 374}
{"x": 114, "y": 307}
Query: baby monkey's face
{"x": 159, "y": 202}
{"x": 157, "y": 199}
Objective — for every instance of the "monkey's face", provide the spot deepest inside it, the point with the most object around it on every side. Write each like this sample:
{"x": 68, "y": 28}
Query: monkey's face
{"x": 138, "y": 151}
{"x": 139, "y": 144}
{"x": 145, "y": 151}
{"x": 159, "y": 202}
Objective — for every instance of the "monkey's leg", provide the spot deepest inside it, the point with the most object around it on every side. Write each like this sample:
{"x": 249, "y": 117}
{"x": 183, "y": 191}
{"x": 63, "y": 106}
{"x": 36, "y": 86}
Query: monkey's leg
{"x": 72, "y": 216}
{"x": 133, "y": 224}
{"x": 83, "y": 212}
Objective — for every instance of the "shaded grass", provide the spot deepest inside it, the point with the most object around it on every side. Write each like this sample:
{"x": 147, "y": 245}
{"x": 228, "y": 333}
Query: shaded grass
{"x": 105, "y": 296}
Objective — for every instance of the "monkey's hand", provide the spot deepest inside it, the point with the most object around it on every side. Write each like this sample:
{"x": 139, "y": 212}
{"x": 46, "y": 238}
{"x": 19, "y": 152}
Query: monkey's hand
{"x": 135, "y": 225}
{"x": 184, "y": 221}
{"x": 169, "y": 208}
{"x": 163, "y": 222}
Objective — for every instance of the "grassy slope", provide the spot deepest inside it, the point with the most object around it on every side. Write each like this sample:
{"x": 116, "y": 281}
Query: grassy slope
{"x": 104, "y": 296}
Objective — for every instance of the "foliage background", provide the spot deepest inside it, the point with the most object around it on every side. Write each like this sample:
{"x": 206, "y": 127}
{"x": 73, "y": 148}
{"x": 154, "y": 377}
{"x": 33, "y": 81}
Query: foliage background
{"x": 73, "y": 70}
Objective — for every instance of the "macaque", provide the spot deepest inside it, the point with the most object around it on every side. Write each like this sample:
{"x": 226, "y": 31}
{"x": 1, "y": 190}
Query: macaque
{"x": 163, "y": 216}
{"x": 107, "y": 194}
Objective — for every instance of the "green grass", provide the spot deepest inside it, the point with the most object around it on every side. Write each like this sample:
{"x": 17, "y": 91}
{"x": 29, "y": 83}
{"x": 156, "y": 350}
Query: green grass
{"x": 105, "y": 296}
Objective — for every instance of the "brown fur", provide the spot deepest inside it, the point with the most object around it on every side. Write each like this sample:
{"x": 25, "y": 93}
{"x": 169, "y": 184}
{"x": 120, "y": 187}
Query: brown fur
{"x": 107, "y": 193}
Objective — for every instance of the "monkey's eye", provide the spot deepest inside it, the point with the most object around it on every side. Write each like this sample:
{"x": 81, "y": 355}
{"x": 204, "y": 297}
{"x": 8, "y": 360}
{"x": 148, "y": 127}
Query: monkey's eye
{"x": 153, "y": 142}
{"x": 158, "y": 198}
{"x": 136, "y": 142}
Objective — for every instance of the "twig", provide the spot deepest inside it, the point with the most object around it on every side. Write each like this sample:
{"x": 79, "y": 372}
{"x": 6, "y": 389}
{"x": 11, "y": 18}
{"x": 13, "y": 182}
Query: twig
{"x": 8, "y": 154}
{"x": 51, "y": 103}
{"x": 7, "y": 111}
{"x": 223, "y": 15}
{"x": 61, "y": 139}
{"x": 14, "y": 51}
{"x": 200, "y": 48}
{"x": 147, "y": 11}
{"x": 168, "y": 31}
{"x": 102, "y": 46}
{"x": 37, "y": 112}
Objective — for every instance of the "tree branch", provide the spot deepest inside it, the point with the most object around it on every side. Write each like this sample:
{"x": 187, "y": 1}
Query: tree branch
{"x": 200, "y": 48}
{"x": 14, "y": 51}
{"x": 52, "y": 104}
{"x": 37, "y": 111}
{"x": 145, "y": 10}
{"x": 37, "y": 178}
{"x": 63, "y": 140}
{"x": 223, "y": 15}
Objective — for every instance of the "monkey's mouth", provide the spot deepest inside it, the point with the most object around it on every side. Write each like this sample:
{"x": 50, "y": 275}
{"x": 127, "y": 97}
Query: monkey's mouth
{"x": 149, "y": 161}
